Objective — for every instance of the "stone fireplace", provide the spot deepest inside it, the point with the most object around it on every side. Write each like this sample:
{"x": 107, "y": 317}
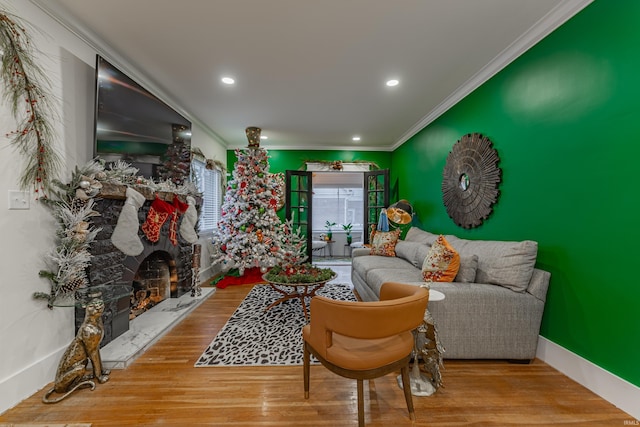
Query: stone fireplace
{"x": 162, "y": 270}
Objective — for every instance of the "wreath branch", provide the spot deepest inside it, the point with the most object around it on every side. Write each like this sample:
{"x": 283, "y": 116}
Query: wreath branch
{"x": 25, "y": 88}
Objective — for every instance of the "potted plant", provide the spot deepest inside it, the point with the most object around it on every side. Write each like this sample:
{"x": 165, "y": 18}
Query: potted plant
{"x": 347, "y": 228}
{"x": 328, "y": 226}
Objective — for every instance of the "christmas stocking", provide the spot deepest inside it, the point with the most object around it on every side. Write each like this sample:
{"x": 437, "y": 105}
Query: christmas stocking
{"x": 125, "y": 235}
{"x": 189, "y": 220}
{"x": 179, "y": 209}
{"x": 158, "y": 214}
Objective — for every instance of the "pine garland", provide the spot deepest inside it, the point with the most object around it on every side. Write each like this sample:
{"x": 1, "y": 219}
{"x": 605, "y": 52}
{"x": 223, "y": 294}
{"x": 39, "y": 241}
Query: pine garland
{"x": 26, "y": 89}
{"x": 72, "y": 205}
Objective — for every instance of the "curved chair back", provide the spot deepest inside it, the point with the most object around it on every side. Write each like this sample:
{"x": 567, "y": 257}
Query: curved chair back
{"x": 366, "y": 340}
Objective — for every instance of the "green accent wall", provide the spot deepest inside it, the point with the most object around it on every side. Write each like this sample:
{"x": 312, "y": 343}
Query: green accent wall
{"x": 565, "y": 120}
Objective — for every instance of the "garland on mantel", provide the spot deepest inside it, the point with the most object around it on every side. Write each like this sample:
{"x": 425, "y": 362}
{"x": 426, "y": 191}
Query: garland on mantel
{"x": 72, "y": 206}
{"x": 337, "y": 165}
{"x": 26, "y": 88}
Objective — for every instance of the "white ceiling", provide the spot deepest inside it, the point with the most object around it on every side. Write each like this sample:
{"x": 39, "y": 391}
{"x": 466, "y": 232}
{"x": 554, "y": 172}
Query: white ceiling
{"x": 312, "y": 73}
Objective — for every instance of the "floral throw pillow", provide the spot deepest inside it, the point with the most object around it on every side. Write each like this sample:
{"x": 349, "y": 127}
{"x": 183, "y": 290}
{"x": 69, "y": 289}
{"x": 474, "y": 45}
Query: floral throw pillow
{"x": 442, "y": 262}
{"x": 384, "y": 242}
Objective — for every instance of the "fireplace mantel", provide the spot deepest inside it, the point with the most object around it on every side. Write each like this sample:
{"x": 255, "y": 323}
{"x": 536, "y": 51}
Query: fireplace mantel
{"x": 118, "y": 192}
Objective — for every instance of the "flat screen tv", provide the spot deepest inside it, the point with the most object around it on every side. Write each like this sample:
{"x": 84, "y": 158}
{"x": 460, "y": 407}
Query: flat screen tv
{"x": 133, "y": 125}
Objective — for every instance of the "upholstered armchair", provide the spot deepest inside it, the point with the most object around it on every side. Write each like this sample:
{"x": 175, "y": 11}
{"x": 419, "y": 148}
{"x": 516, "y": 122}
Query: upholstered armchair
{"x": 366, "y": 340}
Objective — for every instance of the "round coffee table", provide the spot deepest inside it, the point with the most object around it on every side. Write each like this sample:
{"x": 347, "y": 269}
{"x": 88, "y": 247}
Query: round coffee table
{"x": 296, "y": 290}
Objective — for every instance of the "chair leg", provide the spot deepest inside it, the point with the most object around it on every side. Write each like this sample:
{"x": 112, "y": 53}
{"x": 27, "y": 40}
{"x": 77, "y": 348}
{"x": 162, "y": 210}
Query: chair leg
{"x": 305, "y": 360}
{"x": 360, "y": 403}
{"x": 406, "y": 386}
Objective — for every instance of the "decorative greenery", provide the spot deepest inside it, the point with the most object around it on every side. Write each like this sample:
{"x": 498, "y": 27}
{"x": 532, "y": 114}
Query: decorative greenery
{"x": 72, "y": 206}
{"x": 293, "y": 243}
{"x": 347, "y": 228}
{"x": 210, "y": 164}
{"x": 25, "y": 87}
{"x": 328, "y": 226}
{"x": 299, "y": 273}
{"x": 337, "y": 164}
{"x": 71, "y": 257}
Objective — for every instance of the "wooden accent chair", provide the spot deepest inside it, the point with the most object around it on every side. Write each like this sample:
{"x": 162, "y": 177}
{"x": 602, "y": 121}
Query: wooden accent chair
{"x": 366, "y": 340}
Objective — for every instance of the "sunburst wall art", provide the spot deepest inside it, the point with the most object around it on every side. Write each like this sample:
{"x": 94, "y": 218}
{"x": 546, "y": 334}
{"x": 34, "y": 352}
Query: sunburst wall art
{"x": 470, "y": 180}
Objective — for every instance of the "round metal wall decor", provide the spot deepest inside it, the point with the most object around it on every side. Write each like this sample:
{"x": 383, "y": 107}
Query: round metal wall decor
{"x": 470, "y": 180}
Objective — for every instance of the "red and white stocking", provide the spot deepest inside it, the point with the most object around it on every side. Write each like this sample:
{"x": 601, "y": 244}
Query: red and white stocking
{"x": 179, "y": 209}
{"x": 189, "y": 222}
{"x": 157, "y": 216}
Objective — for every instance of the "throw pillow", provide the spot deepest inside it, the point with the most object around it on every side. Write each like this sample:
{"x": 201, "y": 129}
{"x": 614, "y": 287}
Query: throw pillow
{"x": 442, "y": 262}
{"x": 468, "y": 268}
{"x": 384, "y": 242}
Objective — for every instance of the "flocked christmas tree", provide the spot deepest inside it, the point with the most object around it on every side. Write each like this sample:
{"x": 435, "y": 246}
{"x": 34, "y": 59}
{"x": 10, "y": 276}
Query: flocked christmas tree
{"x": 250, "y": 234}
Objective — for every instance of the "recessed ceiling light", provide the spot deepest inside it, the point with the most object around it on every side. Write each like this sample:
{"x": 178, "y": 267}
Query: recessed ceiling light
{"x": 228, "y": 80}
{"x": 356, "y": 138}
{"x": 392, "y": 82}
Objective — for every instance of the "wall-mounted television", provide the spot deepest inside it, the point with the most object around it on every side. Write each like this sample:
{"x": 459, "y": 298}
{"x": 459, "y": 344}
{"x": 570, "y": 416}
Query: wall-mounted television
{"x": 133, "y": 125}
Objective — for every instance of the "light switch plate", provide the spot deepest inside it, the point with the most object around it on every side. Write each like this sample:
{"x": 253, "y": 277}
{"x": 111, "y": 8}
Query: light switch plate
{"x": 18, "y": 199}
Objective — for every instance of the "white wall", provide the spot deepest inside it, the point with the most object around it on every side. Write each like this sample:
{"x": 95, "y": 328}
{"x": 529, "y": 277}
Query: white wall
{"x": 33, "y": 337}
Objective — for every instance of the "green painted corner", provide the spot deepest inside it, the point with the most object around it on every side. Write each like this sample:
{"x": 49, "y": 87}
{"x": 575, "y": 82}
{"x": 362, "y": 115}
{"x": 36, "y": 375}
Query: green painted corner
{"x": 564, "y": 120}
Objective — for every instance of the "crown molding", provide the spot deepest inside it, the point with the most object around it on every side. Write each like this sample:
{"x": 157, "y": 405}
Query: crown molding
{"x": 314, "y": 148}
{"x": 87, "y": 36}
{"x": 545, "y": 26}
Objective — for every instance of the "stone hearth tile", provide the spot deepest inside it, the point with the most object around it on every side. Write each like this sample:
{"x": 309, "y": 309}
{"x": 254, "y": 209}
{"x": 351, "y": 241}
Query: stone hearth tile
{"x": 147, "y": 328}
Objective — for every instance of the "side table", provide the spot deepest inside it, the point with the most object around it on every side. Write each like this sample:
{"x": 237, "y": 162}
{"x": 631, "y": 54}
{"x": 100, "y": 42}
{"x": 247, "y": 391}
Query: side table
{"x": 347, "y": 250}
{"x": 421, "y": 385}
{"x": 330, "y": 246}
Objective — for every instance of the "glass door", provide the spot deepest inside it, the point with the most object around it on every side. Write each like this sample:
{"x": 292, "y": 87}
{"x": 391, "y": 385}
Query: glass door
{"x": 376, "y": 185}
{"x": 298, "y": 204}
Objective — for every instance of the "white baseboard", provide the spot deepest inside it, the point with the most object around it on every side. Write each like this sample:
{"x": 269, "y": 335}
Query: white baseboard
{"x": 610, "y": 387}
{"x": 207, "y": 273}
{"x": 22, "y": 384}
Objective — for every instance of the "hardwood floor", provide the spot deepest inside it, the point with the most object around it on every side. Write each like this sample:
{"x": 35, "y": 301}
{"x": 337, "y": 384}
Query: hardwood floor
{"x": 163, "y": 388}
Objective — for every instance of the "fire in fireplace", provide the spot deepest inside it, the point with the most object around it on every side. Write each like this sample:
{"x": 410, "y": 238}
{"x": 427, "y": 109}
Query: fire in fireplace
{"x": 151, "y": 283}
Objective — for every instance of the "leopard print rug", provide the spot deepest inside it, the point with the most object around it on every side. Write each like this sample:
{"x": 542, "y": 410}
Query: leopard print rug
{"x": 254, "y": 337}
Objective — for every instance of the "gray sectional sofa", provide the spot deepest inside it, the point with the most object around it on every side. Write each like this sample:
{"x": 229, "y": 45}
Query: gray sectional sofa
{"x": 492, "y": 310}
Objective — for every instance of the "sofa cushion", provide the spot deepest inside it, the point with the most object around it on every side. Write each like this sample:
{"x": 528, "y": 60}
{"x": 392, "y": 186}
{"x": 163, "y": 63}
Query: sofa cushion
{"x": 413, "y": 252}
{"x": 364, "y": 264}
{"x": 468, "y": 268}
{"x": 417, "y": 235}
{"x": 377, "y": 277}
{"x": 442, "y": 262}
{"x": 509, "y": 264}
{"x": 384, "y": 242}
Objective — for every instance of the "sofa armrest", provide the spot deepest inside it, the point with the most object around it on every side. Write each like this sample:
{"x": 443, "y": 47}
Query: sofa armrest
{"x": 539, "y": 284}
{"x": 360, "y": 252}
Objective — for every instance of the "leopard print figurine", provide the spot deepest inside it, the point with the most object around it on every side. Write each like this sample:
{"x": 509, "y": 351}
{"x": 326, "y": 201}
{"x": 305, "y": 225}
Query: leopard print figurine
{"x": 72, "y": 370}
